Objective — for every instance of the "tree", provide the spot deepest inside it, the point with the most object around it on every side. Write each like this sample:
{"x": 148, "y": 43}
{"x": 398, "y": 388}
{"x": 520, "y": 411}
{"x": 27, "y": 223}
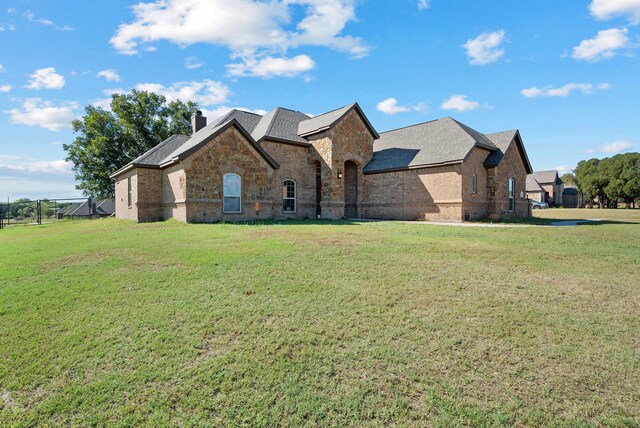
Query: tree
{"x": 610, "y": 180}
{"x": 108, "y": 140}
{"x": 568, "y": 179}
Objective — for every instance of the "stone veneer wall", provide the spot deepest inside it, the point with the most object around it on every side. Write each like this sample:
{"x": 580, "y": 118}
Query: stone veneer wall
{"x": 204, "y": 171}
{"x": 416, "y": 194}
{"x": 174, "y": 193}
{"x": 295, "y": 164}
{"x": 511, "y": 166}
{"x": 475, "y": 205}
{"x": 349, "y": 140}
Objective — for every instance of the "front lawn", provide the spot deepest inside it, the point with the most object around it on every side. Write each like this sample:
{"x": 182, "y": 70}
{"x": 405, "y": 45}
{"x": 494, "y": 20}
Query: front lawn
{"x": 112, "y": 323}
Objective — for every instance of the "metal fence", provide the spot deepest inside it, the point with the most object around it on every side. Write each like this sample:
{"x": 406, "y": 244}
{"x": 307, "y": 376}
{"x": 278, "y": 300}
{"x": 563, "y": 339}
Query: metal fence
{"x": 27, "y": 212}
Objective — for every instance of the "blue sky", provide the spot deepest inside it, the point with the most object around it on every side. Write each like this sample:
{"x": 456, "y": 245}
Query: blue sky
{"x": 565, "y": 73}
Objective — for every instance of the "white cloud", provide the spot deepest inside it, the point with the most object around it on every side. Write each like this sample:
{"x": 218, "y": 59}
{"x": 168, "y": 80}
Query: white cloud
{"x": 204, "y": 93}
{"x": 109, "y": 75}
{"x": 607, "y": 9}
{"x": 37, "y": 178}
{"x": 564, "y": 91}
{"x": 603, "y": 46}
{"x": 31, "y": 17}
{"x": 563, "y": 169}
{"x": 105, "y": 103}
{"x": 46, "y": 78}
{"x": 193, "y": 63}
{"x": 5, "y": 88}
{"x": 37, "y": 112}
{"x": 459, "y": 103}
{"x": 2, "y": 69}
{"x": 4, "y": 158}
{"x": 44, "y": 21}
{"x": 269, "y": 66}
{"x": 390, "y": 106}
{"x": 485, "y": 48}
{"x": 617, "y": 146}
{"x": 17, "y": 164}
{"x": 252, "y": 30}
{"x": 423, "y": 4}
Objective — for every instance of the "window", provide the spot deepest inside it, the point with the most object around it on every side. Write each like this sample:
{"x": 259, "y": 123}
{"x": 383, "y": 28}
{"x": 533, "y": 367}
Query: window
{"x": 474, "y": 183}
{"x": 129, "y": 192}
{"x": 231, "y": 189}
{"x": 289, "y": 196}
{"x": 512, "y": 195}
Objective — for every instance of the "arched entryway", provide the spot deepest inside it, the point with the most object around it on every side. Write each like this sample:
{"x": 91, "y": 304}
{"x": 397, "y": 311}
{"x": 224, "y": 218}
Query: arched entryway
{"x": 350, "y": 189}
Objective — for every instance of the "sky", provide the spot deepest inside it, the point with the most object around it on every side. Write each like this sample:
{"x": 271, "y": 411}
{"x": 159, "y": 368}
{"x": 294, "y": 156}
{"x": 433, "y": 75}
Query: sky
{"x": 565, "y": 73}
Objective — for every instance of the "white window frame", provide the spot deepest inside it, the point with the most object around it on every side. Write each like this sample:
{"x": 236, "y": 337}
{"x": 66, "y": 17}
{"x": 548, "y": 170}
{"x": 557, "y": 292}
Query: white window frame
{"x": 511, "y": 194}
{"x": 295, "y": 196}
{"x": 474, "y": 183}
{"x": 224, "y": 195}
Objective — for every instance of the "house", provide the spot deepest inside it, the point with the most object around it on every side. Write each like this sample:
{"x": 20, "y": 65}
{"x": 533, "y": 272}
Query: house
{"x": 570, "y": 197}
{"x": 90, "y": 208}
{"x": 285, "y": 164}
{"x": 545, "y": 186}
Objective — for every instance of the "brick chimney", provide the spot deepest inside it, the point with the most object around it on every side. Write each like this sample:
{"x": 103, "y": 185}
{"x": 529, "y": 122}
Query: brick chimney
{"x": 198, "y": 122}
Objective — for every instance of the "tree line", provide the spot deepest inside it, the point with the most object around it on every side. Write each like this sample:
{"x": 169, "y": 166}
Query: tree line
{"x": 609, "y": 181}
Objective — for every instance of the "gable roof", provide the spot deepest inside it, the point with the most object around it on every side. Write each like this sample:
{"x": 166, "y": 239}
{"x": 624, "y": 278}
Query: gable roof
{"x": 502, "y": 140}
{"x": 532, "y": 185}
{"x": 161, "y": 151}
{"x": 178, "y": 147}
{"x": 248, "y": 120}
{"x": 206, "y": 134}
{"x": 546, "y": 177}
{"x": 437, "y": 142}
{"x": 280, "y": 124}
{"x": 328, "y": 120}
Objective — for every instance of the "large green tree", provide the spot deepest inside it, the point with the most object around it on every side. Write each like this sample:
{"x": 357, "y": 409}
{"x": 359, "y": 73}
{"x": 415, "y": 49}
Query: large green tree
{"x": 108, "y": 140}
{"x": 610, "y": 180}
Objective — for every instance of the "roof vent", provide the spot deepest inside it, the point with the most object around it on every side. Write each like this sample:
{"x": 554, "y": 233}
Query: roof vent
{"x": 198, "y": 121}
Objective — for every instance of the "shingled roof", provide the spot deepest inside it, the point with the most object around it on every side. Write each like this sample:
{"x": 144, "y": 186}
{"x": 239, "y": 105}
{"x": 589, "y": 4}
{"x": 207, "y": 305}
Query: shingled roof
{"x": 178, "y": 147}
{"x": 545, "y": 177}
{"x": 327, "y": 120}
{"x": 280, "y": 124}
{"x": 437, "y": 142}
{"x": 533, "y": 186}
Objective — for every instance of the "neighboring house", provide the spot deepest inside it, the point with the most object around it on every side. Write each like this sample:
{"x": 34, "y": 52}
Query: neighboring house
{"x": 545, "y": 186}
{"x": 90, "y": 208}
{"x": 570, "y": 198}
{"x": 286, "y": 164}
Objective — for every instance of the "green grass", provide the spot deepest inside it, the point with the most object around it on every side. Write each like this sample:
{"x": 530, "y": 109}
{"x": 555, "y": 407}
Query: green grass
{"x": 621, "y": 215}
{"x": 111, "y": 323}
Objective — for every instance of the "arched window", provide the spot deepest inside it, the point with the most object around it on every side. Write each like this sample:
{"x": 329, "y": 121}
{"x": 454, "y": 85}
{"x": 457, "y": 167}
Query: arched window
{"x": 232, "y": 191}
{"x": 289, "y": 196}
{"x": 474, "y": 183}
{"x": 512, "y": 195}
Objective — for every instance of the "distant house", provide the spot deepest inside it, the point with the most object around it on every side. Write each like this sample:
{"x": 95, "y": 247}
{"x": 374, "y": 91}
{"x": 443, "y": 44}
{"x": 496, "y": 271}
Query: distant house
{"x": 570, "y": 198}
{"x": 545, "y": 186}
{"x": 285, "y": 164}
{"x": 91, "y": 208}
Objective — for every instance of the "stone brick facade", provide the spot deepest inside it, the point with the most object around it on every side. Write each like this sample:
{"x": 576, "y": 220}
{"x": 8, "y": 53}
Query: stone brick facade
{"x": 191, "y": 189}
{"x": 511, "y": 166}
